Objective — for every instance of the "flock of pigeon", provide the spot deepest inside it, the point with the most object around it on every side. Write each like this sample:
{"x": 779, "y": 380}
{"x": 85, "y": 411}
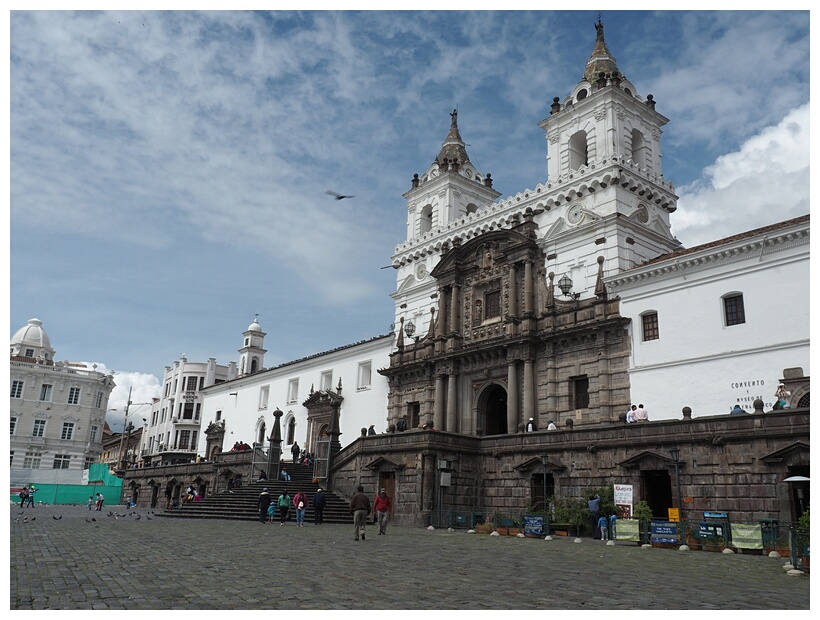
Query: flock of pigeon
{"x": 117, "y": 516}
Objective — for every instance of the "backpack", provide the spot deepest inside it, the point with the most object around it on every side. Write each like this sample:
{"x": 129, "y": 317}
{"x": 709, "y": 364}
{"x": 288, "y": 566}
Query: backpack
{"x": 23, "y": 494}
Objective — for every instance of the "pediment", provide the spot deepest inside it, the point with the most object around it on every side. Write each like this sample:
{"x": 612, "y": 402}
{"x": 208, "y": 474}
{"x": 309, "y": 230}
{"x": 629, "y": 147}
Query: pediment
{"x": 798, "y": 448}
{"x": 535, "y": 462}
{"x": 384, "y": 463}
{"x": 648, "y": 455}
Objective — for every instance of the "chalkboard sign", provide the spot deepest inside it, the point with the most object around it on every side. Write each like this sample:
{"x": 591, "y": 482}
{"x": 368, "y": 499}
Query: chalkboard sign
{"x": 533, "y": 524}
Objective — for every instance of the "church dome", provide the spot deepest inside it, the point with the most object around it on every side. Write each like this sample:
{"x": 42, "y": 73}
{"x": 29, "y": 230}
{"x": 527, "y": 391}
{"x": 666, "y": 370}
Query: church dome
{"x": 254, "y": 327}
{"x": 32, "y": 336}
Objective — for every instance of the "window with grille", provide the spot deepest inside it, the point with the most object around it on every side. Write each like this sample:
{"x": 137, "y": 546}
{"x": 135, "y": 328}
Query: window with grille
{"x": 735, "y": 312}
{"x": 13, "y": 425}
{"x": 580, "y": 392}
{"x": 492, "y": 304}
{"x": 190, "y": 385}
{"x": 68, "y": 431}
{"x": 184, "y": 440}
{"x": 16, "y": 389}
{"x": 93, "y": 437}
{"x": 74, "y": 396}
{"x": 61, "y": 461}
{"x": 99, "y": 400}
{"x": 650, "y": 326}
{"x": 89, "y": 461}
{"x": 39, "y": 428}
{"x": 32, "y": 460}
{"x": 29, "y": 352}
{"x": 45, "y": 392}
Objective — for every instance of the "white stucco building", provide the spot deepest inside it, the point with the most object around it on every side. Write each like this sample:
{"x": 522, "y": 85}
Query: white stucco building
{"x": 717, "y": 324}
{"x": 57, "y": 411}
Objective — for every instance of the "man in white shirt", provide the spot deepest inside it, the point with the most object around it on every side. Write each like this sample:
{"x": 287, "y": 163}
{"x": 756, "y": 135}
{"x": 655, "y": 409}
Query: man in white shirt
{"x": 630, "y": 414}
{"x": 640, "y": 414}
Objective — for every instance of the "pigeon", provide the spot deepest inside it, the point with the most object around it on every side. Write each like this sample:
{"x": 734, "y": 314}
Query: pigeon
{"x": 33, "y": 519}
{"x": 93, "y": 519}
{"x": 110, "y": 513}
{"x": 56, "y": 518}
{"x": 337, "y": 196}
{"x": 137, "y": 518}
{"x": 149, "y": 518}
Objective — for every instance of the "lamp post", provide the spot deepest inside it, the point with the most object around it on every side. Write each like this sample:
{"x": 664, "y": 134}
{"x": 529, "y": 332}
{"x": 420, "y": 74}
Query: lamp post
{"x": 127, "y": 427}
{"x": 545, "y": 463}
{"x": 675, "y": 452}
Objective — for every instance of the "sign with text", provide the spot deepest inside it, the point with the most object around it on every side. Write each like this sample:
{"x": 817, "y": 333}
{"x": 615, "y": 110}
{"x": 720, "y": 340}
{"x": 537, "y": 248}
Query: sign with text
{"x": 664, "y": 532}
{"x": 623, "y": 499}
{"x": 674, "y": 514}
{"x": 534, "y": 524}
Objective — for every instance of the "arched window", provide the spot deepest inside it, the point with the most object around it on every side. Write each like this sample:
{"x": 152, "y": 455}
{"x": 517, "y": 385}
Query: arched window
{"x": 426, "y": 219}
{"x": 582, "y": 94}
{"x": 578, "y": 150}
{"x": 254, "y": 364}
{"x": 291, "y": 434}
{"x": 472, "y": 208}
{"x": 734, "y": 311}
{"x": 639, "y": 151}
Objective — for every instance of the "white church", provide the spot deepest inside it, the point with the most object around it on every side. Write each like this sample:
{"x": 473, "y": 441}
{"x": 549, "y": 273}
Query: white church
{"x": 566, "y": 302}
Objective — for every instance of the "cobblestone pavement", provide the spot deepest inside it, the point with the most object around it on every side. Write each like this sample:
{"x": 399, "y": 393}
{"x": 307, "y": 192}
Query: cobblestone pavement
{"x": 164, "y": 564}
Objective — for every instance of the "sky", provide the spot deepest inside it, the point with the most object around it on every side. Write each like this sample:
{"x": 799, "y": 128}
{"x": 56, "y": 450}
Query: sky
{"x": 168, "y": 170}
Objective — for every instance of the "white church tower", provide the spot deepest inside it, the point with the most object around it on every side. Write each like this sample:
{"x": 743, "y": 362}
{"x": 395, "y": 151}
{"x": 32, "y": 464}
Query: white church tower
{"x": 605, "y": 195}
{"x": 441, "y": 200}
{"x": 252, "y": 353}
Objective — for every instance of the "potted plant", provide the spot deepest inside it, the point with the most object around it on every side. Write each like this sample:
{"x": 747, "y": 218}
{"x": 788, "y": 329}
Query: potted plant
{"x": 643, "y": 513}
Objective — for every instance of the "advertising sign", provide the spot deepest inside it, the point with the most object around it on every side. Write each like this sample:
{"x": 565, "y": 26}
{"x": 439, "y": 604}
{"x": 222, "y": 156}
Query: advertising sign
{"x": 664, "y": 532}
{"x": 534, "y": 524}
{"x": 623, "y": 500}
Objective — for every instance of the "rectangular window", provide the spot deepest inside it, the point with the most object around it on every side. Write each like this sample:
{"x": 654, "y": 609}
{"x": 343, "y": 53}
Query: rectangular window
{"x": 94, "y": 431}
{"x": 45, "y": 392}
{"x": 193, "y": 440}
{"x": 99, "y": 400}
{"x": 219, "y": 415}
{"x": 13, "y": 425}
{"x": 184, "y": 440}
{"x": 61, "y": 461}
{"x": 89, "y": 461}
{"x": 191, "y": 384}
{"x": 364, "y": 376}
{"x": 39, "y": 428}
{"x": 198, "y": 410}
{"x": 29, "y": 352}
{"x": 74, "y": 396}
{"x": 188, "y": 411}
{"x": 263, "y": 396}
{"x": 492, "y": 304}
{"x": 201, "y": 383}
{"x": 326, "y": 381}
{"x": 293, "y": 391}
{"x": 735, "y": 312}
{"x": 16, "y": 389}
{"x": 32, "y": 460}
{"x": 580, "y": 392}
{"x": 650, "y": 326}
{"x": 68, "y": 431}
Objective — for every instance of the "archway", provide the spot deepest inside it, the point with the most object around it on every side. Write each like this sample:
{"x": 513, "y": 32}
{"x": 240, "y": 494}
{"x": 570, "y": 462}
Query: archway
{"x": 492, "y": 410}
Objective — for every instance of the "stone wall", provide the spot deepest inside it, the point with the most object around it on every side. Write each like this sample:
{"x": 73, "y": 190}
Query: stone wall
{"x": 727, "y": 463}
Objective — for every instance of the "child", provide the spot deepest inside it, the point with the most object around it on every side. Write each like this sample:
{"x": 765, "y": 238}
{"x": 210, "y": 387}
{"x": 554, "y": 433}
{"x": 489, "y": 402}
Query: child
{"x": 603, "y": 527}
{"x": 612, "y": 520}
{"x": 271, "y": 512}
{"x": 90, "y": 501}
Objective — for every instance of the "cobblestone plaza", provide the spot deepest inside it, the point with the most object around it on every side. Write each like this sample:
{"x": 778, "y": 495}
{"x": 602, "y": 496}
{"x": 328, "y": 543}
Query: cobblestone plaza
{"x": 157, "y": 563}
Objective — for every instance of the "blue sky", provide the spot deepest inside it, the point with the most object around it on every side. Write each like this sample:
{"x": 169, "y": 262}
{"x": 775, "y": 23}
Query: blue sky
{"x": 168, "y": 169}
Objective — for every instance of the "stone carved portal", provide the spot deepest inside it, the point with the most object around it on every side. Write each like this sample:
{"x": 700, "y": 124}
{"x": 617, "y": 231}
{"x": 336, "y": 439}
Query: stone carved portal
{"x": 491, "y": 407}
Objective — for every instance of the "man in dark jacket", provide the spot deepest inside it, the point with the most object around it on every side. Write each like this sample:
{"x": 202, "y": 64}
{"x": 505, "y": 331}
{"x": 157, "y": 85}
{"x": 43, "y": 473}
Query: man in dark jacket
{"x": 319, "y": 502}
{"x": 359, "y": 508}
{"x": 294, "y": 451}
{"x": 263, "y": 502}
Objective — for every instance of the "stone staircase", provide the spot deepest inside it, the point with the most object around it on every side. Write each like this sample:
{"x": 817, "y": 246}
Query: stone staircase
{"x": 241, "y": 504}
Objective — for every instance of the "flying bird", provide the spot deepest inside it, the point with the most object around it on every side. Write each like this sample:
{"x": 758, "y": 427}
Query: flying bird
{"x": 56, "y": 518}
{"x": 337, "y": 196}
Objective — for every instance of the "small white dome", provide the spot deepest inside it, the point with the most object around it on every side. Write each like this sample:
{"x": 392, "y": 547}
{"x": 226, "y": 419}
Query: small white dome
{"x": 254, "y": 327}
{"x": 32, "y": 336}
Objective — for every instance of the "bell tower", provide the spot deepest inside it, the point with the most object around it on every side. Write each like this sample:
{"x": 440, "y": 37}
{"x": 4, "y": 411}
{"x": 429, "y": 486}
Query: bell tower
{"x": 605, "y": 178}
{"x": 252, "y": 353}
{"x": 445, "y": 196}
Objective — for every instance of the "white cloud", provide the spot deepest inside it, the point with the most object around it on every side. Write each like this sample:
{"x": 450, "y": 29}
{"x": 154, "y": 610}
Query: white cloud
{"x": 766, "y": 181}
{"x": 143, "y": 388}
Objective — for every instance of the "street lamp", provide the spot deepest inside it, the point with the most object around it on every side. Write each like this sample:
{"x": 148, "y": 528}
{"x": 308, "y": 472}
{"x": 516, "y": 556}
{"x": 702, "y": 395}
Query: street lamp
{"x": 675, "y": 452}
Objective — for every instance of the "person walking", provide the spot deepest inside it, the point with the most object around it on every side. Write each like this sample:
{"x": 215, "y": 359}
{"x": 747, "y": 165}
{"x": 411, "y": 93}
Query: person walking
{"x": 295, "y": 450}
{"x": 383, "y": 506}
{"x": 100, "y": 501}
{"x": 263, "y": 503}
{"x": 300, "y": 500}
{"x": 23, "y": 496}
{"x": 359, "y": 508}
{"x": 603, "y": 527}
{"x": 284, "y": 506}
{"x": 31, "y": 492}
{"x": 319, "y": 502}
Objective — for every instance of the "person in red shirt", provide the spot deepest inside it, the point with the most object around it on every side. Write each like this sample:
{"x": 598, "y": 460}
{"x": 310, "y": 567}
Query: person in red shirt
{"x": 383, "y": 506}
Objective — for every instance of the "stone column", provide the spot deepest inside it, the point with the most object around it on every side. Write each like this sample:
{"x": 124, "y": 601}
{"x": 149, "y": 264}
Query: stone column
{"x": 528, "y": 288}
{"x": 529, "y": 390}
{"x": 454, "y": 326}
{"x": 438, "y": 411}
{"x": 512, "y": 397}
{"x": 452, "y": 403}
{"x": 512, "y": 285}
{"x": 441, "y": 314}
